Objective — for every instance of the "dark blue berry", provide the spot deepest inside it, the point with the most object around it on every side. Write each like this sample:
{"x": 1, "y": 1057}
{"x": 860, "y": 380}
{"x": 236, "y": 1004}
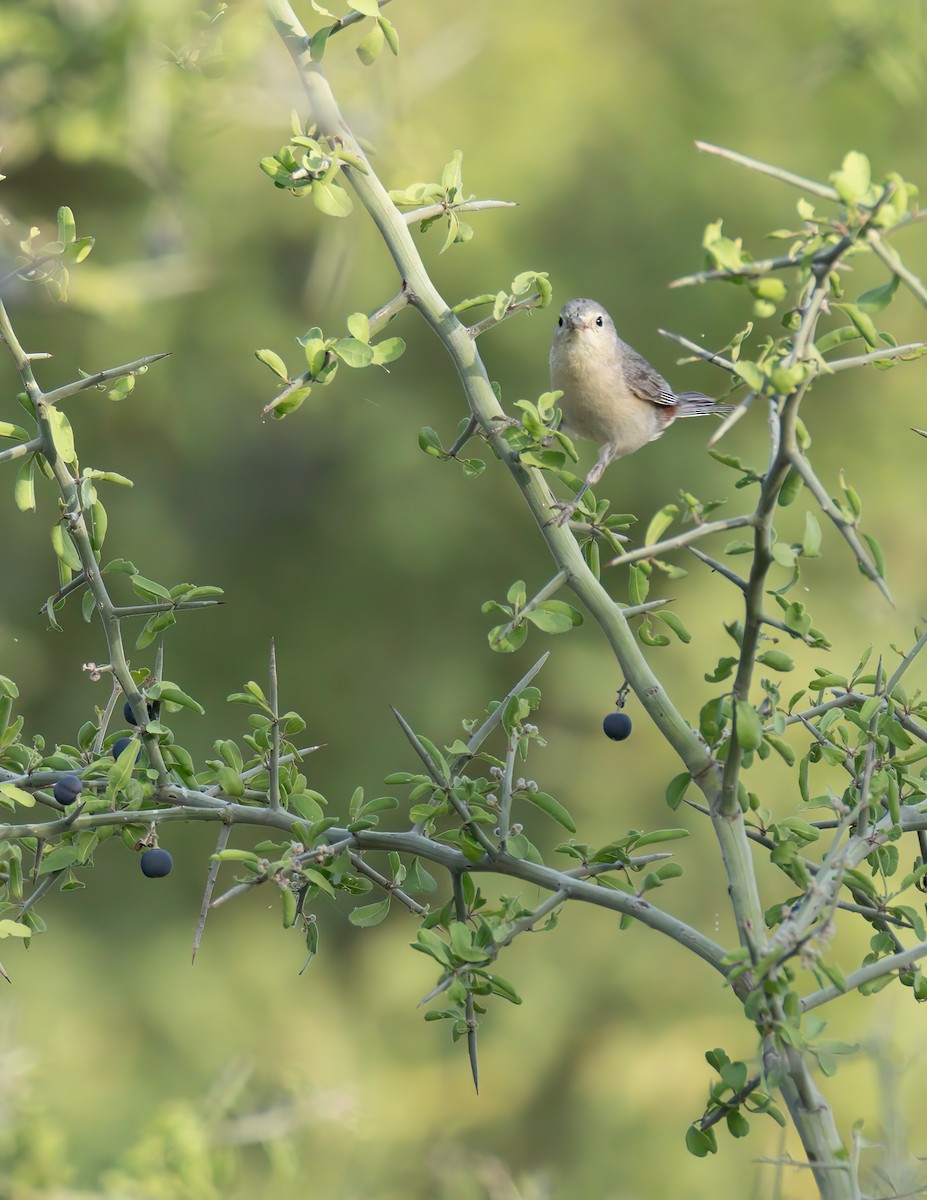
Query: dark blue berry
{"x": 67, "y": 789}
{"x": 130, "y": 715}
{"x": 119, "y": 745}
{"x": 617, "y": 726}
{"x": 156, "y": 863}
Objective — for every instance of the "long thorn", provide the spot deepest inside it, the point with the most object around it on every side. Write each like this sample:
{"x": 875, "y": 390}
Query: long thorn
{"x": 476, "y": 739}
{"x": 211, "y": 876}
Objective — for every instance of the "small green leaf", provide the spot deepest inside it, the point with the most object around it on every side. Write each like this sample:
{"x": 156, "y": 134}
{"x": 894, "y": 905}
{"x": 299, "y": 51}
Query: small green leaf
{"x": 388, "y": 350}
{"x": 862, "y": 321}
{"x": 65, "y": 548}
{"x": 62, "y": 434}
{"x": 24, "y": 488}
{"x": 359, "y": 326}
{"x": 369, "y": 914}
{"x": 638, "y": 584}
{"x": 854, "y": 179}
{"x": 147, "y": 588}
{"x": 418, "y": 880}
{"x": 353, "y": 353}
{"x": 647, "y": 636}
{"x": 676, "y": 789}
{"x": 288, "y": 901}
{"x": 317, "y": 44}
{"x": 555, "y": 616}
{"x": 777, "y": 660}
{"x": 552, "y": 807}
{"x": 331, "y": 199}
{"x": 670, "y": 619}
{"x": 661, "y": 835}
{"x": 274, "y": 361}
{"x": 79, "y": 249}
{"x": 811, "y": 543}
{"x": 791, "y": 486}
{"x": 701, "y": 1142}
{"x": 12, "y": 792}
{"x": 429, "y": 441}
{"x": 660, "y": 523}
{"x": 879, "y": 297}
{"x": 722, "y": 671}
{"x": 230, "y": 781}
{"x": 512, "y": 640}
{"x": 389, "y": 32}
{"x": 10, "y": 928}
{"x": 748, "y": 725}
{"x": 172, "y": 694}
{"x": 371, "y": 44}
{"x": 751, "y": 374}
{"x": 120, "y": 772}
{"x": 67, "y": 228}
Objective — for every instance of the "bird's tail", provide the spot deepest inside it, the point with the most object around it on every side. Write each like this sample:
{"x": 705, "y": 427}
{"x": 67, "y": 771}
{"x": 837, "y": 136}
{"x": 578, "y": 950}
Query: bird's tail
{"x": 697, "y": 404}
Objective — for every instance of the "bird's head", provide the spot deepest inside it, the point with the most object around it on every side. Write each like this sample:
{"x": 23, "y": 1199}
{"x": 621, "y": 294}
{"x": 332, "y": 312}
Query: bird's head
{"x": 585, "y": 318}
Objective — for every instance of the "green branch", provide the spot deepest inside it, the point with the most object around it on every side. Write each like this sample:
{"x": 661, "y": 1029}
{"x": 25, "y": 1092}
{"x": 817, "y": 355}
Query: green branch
{"x": 459, "y": 343}
{"x": 75, "y": 524}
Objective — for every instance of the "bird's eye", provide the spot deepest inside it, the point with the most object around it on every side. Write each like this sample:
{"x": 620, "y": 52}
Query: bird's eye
{"x": 560, "y": 322}
{"x": 599, "y": 322}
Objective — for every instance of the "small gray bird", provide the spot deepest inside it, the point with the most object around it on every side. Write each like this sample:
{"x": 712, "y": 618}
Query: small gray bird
{"x": 610, "y": 393}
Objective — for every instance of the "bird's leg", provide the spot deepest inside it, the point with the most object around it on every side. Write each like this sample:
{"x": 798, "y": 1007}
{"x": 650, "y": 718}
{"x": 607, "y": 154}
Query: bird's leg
{"x": 566, "y": 511}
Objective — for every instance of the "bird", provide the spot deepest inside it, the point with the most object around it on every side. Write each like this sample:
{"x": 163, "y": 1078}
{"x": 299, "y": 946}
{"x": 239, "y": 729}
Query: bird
{"x": 611, "y": 394}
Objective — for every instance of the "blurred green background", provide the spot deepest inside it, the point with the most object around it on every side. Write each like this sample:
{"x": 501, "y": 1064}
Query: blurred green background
{"x": 368, "y": 562}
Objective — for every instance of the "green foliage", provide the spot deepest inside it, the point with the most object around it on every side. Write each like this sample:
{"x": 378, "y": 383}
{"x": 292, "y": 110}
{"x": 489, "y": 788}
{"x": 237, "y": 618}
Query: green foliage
{"x": 323, "y": 356}
{"x": 464, "y": 810}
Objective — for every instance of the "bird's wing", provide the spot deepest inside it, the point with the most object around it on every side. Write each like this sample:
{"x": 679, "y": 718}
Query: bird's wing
{"x": 645, "y": 382}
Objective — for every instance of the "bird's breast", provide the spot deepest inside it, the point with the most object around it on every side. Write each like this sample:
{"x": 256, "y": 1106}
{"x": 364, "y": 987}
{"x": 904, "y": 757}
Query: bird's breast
{"x": 596, "y": 402}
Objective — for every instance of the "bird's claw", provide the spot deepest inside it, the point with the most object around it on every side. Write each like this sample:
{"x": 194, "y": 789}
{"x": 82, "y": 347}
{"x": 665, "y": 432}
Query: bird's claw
{"x": 564, "y": 515}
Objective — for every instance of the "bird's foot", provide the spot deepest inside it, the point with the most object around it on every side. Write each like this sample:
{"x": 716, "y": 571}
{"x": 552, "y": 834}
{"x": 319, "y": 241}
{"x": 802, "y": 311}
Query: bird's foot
{"x": 564, "y": 513}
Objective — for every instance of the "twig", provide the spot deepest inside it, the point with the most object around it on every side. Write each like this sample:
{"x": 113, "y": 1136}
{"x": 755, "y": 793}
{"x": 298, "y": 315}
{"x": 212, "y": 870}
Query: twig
{"x": 90, "y": 381}
{"x": 437, "y": 210}
{"x": 747, "y": 270}
{"x": 20, "y": 450}
{"x": 460, "y": 910}
{"x": 388, "y": 886}
{"x": 352, "y": 18}
{"x": 892, "y": 259}
{"x": 76, "y": 527}
{"x": 845, "y": 528}
{"x": 700, "y": 351}
{"x": 477, "y": 738}
{"x": 549, "y": 589}
{"x": 211, "y": 875}
{"x": 741, "y": 584}
{"x": 754, "y": 164}
{"x": 681, "y": 539}
{"x": 490, "y": 322}
{"x": 895, "y": 678}
{"x": 861, "y": 360}
{"x": 875, "y": 970}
